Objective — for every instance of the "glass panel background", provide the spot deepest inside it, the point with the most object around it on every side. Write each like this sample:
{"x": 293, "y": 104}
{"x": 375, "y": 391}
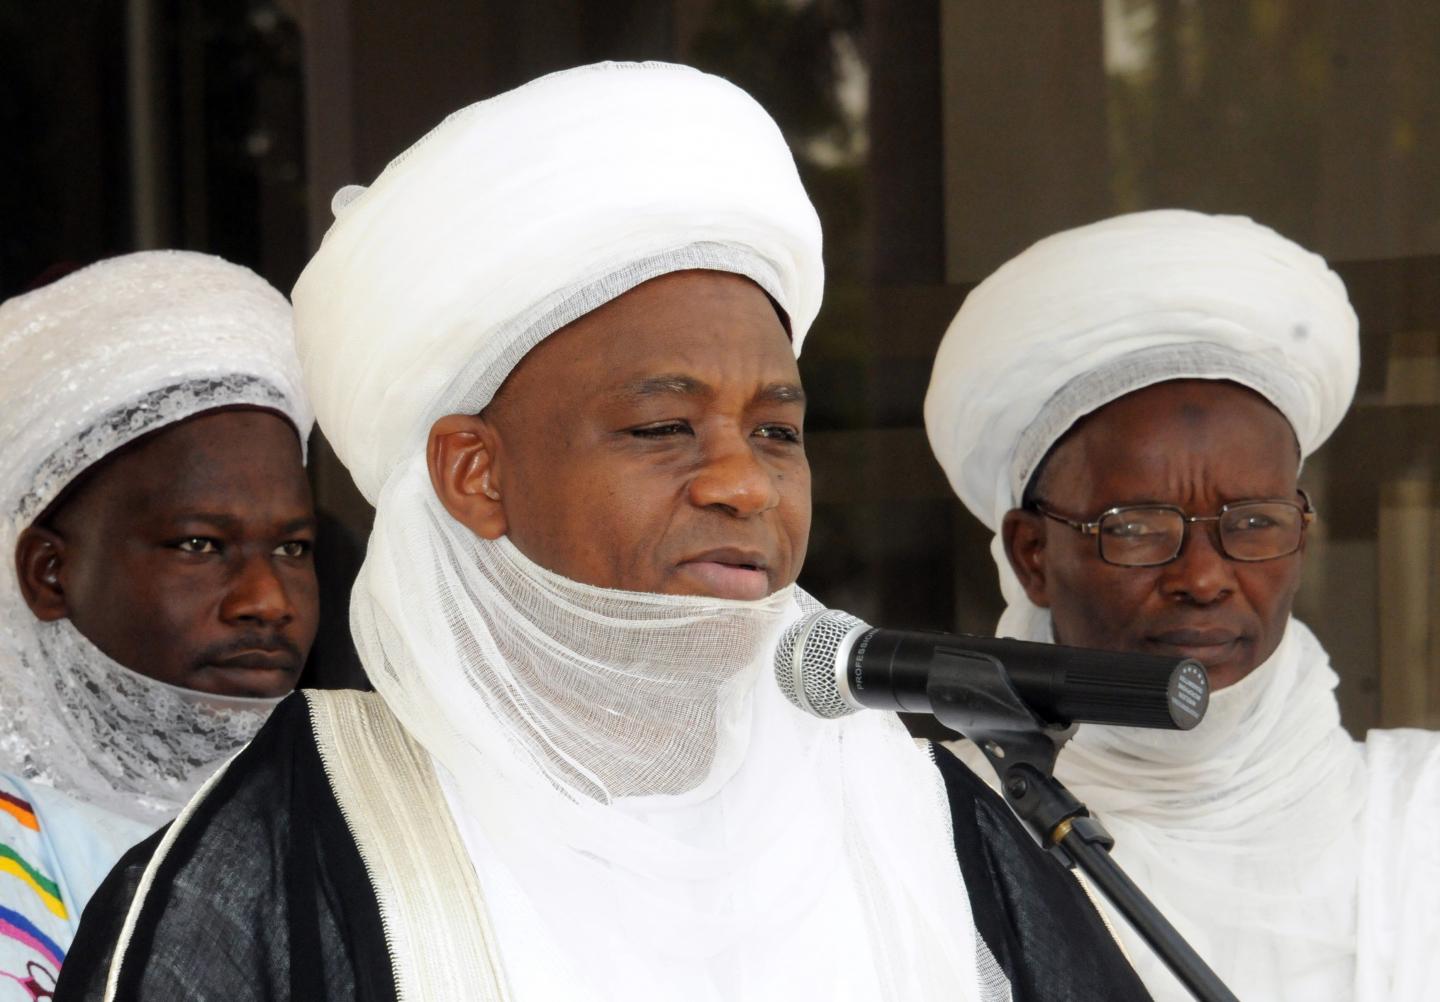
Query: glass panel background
{"x": 938, "y": 138}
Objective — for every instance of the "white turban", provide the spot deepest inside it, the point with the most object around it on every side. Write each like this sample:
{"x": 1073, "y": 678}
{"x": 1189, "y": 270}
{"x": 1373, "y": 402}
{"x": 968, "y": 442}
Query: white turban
{"x": 519, "y": 214}
{"x": 88, "y": 364}
{"x": 1086, "y": 316}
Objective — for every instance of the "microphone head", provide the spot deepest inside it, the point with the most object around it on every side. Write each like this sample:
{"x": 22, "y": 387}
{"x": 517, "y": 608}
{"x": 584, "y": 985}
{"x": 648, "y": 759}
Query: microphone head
{"x": 808, "y": 662}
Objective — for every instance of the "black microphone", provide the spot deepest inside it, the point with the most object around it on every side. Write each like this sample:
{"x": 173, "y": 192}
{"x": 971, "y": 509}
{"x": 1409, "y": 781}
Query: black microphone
{"x": 830, "y": 664}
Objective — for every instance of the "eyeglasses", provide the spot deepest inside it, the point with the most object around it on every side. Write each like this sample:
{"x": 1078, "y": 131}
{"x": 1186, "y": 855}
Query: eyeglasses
{"x": 1149, "y": 535}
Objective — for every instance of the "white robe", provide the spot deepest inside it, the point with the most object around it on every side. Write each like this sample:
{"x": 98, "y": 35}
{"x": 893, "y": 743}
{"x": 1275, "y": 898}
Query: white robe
{"x": 1302, "y": 865}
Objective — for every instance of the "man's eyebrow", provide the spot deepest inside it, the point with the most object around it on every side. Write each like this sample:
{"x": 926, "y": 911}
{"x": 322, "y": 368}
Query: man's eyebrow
{"x": 781, "y": 393}
{"x": 679, "y": 385}
{"x": 651, "y": 386}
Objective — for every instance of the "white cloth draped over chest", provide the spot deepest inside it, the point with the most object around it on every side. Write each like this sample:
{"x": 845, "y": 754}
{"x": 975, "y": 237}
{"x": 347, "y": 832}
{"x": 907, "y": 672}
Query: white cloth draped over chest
{"x": 1289, "y": 856}
{"x": 647, "y": 818}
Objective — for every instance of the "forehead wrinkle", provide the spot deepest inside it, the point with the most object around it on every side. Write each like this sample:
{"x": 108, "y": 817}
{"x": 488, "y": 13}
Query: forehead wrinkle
{"x": 1194, "y": 480}
{"x": 220, "y": 520}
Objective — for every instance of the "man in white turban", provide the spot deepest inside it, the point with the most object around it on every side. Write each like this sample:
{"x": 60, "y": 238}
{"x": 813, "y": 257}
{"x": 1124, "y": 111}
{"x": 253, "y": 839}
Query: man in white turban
{"x": 555, "y": 344}
{"x": 1126, "y": 405}
{"x": 158, "y": 596}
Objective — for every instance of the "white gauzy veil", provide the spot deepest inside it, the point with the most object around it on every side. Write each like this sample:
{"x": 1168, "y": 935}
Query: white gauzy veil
{"x": 85, "y": 724}
{"x": 632, "y": 768}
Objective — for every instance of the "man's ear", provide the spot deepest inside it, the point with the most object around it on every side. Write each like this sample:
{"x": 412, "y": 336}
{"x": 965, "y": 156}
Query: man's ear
{"x": 1024, "y": 535}
{"x": 461, "y": 455}
{"x": 39, "y": 556}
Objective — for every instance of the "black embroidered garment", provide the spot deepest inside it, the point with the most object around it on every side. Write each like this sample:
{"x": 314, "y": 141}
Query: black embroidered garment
{"x": 262, "y": 896}
{"x": 262, "y": 892}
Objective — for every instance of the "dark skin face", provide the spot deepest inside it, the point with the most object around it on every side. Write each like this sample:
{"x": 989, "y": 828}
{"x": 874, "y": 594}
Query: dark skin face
{"x": 1191, "y": 443}
{"x": 187, "y": 556}
{"x": 653, "y": 445}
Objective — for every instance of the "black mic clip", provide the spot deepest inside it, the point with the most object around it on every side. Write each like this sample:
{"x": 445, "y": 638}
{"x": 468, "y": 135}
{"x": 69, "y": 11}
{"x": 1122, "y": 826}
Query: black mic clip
{"x": 972, "y": 693}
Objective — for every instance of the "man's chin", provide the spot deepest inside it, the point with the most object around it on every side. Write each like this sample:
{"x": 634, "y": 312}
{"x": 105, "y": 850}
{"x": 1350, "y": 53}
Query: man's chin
{"x": 1226, "y": 662}
{"x": 1223, "y": 668}
{"x": 244, "y": 682}
{"x": 1226, "y": 674}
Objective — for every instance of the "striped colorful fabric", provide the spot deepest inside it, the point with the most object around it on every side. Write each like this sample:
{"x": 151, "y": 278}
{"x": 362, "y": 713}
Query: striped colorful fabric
{"x": 54, "y": 851}
{"x": 37, "y": 917}
{"x": 49, "y": 892}
{"x": 19, "y": 810}
{"x": 19, "y": 928}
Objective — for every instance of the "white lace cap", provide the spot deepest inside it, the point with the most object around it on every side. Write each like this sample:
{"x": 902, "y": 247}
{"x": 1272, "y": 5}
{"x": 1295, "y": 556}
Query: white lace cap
{"x": 88, "y": 364}
{"x": 127, "y": 345}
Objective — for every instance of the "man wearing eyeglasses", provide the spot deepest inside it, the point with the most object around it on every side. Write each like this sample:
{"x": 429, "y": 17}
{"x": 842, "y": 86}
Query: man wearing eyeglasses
{"x": 1127, "y": 405}
{"x": 1186, "y": 527}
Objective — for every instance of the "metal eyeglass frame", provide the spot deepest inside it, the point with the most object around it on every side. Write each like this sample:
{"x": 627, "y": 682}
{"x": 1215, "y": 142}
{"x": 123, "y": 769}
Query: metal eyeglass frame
{"x": 1092, "y": 528}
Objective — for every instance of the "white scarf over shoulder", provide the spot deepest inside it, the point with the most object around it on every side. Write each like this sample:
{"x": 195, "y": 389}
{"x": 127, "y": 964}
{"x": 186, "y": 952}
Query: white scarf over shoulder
{"x": 1292, "y": 858}
{"x": 648, "y": 818}
{"x": 88, "y": 364}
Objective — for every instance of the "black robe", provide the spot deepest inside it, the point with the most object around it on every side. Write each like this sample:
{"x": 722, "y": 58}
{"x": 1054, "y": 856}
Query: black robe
{"x": 263, "y": 896}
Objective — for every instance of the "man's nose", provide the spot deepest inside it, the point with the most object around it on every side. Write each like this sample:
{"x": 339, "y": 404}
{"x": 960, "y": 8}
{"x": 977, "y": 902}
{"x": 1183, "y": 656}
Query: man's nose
{"x": 257, "y": 594}
{"x": 733, "y": 478}
{"x": 1201, "y": 574}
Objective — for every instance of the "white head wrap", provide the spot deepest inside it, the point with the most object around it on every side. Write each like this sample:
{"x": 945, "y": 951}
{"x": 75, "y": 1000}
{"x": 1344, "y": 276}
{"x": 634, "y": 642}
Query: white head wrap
{"x": 1240, "y": 830}
{"x": 647, "y": 820}
{"x": 88, "y": 364}
{"x": 1086, "y": 316}
{"x": 519, "y": 214}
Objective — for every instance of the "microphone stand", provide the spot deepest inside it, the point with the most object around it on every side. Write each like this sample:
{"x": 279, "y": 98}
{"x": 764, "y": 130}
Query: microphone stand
{"x": 973, "y": 694}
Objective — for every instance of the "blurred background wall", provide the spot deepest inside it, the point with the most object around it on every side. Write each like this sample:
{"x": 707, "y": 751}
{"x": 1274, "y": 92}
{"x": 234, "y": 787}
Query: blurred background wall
{"x": 937, "y": 137}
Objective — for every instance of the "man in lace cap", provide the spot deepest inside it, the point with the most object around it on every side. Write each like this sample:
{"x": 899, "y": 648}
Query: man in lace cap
{"x": 1126, "y": 405}
{"x": 555, "y": 343}
{"x": 158, "y": 597}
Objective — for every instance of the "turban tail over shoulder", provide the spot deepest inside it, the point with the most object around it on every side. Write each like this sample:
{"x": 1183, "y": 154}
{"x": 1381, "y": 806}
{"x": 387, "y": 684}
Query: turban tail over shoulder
{"x": 89, "y": 364}
{"x": 1089, "y": 315}
{"x": 521, "y": 213}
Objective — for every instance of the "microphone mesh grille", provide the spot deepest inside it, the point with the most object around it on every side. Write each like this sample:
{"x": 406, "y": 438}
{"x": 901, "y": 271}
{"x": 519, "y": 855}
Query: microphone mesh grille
{"x": 805, "y": 663}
